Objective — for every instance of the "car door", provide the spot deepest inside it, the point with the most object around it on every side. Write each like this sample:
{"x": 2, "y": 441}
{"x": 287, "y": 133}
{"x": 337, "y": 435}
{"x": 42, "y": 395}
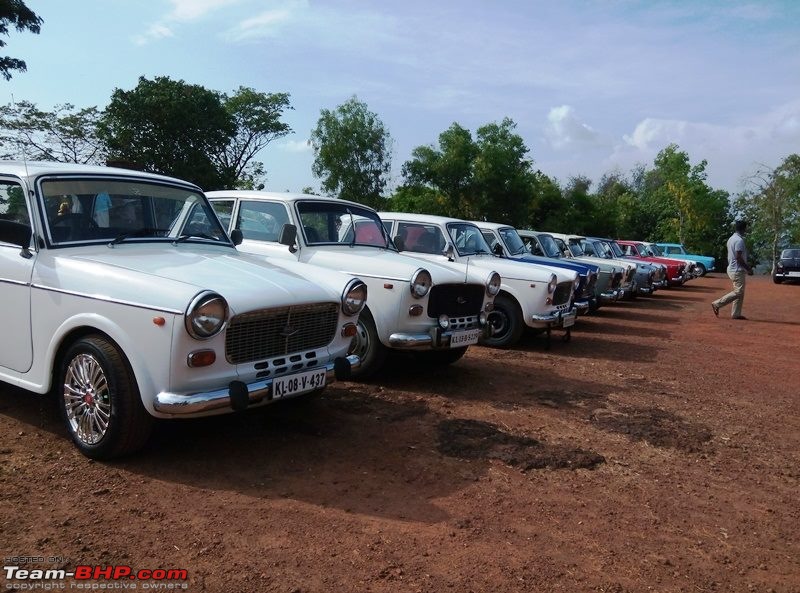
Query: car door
{"x": 16, "y": 269}
{"x": 260, "y": 221}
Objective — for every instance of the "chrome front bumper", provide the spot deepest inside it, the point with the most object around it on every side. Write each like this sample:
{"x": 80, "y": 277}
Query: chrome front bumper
{"x": 551, "y": 320}
{"x": 609, "y": 296}
{"x": 437, "y": 338}
{"x": 239, "y": 395}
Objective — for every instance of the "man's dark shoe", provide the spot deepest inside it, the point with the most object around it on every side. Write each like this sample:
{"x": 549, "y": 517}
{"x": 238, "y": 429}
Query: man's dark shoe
{"x": 715, "y": 309}
{"x": 740, "y": 317}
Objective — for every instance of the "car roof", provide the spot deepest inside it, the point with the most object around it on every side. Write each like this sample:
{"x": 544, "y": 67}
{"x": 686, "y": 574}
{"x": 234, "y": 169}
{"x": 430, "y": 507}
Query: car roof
{"x": 414, "y": 217}
{"x": 496, "y": 226}
{"x": 32, "y": 169}
{"x": 275, "y": 195}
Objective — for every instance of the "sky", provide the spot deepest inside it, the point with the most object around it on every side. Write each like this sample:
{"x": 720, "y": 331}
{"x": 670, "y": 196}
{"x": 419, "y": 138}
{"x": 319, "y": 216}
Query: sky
{"x": 593, "y": 86}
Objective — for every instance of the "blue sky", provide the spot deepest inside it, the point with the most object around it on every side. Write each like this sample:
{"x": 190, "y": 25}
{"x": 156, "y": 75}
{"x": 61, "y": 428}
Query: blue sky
{"x": 592, "y": 86}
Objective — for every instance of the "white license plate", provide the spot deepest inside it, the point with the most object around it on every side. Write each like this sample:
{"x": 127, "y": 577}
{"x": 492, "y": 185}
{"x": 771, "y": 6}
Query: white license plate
{"x": 793, "y": 273}
{"x": 568, "y": 320}
{"x": 297, "y": 384}
{"x": 464, "y": 338}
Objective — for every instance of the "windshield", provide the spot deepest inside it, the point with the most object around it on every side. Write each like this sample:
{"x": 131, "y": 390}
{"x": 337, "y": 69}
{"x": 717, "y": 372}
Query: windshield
{"x": 467, "y": 238}
{"x": 615, "y": 248}
{"x": 577, "y": 250}
{"x": 790, "y": 254}
{"x": 591, "y": 249}
{"x": 514, "y": 243}
{"x": 98, "y": 209}
{"x": 549, "y": 246}
{"x": 326, "y": 222}
{"x": 655, "y": 249}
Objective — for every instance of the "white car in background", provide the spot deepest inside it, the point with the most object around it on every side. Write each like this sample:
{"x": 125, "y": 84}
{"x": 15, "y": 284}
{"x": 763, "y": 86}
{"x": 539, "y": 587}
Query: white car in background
{"x": 531, "y": 296}
{"x": 126, "y": 298}
{"x": 414, "y": 306}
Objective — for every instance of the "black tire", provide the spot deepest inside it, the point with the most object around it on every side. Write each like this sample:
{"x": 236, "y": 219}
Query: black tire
{"x": 701, "y": 268}
{"x": 99, "y": 400}
{"x": 368, "y": 346}
{"x": 777, "y": 280}
{"x": 506, "y": 323}
{"x": 441, "y": 357}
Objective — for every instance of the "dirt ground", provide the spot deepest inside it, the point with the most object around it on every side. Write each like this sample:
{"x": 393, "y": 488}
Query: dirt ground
{"x": 657, "y": 451}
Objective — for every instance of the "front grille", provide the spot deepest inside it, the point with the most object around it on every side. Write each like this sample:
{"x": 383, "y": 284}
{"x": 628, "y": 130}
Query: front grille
{"x": 616, "y": 280}
{"x": 455, "y": 300}
{"x": 461, "y": 323}
{"x": 562, "y": 293}
{"x": 284, "y": 330}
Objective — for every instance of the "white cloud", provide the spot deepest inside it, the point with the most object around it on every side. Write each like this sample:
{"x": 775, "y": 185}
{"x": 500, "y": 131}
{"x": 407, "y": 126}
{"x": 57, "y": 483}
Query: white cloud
{"x": 260, "y": 26}
{"x": 294, "y": 146}
{"x": 190, "y": 10}
{"x": 564, "y": 130}
{"x": 156, "y": 31}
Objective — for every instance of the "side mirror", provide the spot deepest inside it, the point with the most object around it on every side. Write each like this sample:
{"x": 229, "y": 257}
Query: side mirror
{"x": 237, "y": 237}
{"x": 17, "y": 234}
{"x": 450, "y": 252}
{"x": 288, "y": 236}
{"x": 498, "y": 249}
{"x": 400, "y": 243}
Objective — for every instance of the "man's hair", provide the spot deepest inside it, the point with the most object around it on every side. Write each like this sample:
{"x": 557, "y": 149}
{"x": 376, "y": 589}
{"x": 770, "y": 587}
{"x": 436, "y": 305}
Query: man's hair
{"x": 740, "y": 226}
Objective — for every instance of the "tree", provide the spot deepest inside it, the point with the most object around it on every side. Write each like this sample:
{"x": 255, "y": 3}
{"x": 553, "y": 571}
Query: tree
{"x": 772, "y": 205}
{"x": 256, "y": 118}
{"x": 65, "y": 134}
{"x": 14, "y": 13}
{"x": 352, "y": 153}
{"x": 487, "y": 178}
{"x": 170, "y": 127}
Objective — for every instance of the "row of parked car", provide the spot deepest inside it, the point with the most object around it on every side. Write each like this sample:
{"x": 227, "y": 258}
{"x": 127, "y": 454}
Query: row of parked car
{"x": 134, "y": 296}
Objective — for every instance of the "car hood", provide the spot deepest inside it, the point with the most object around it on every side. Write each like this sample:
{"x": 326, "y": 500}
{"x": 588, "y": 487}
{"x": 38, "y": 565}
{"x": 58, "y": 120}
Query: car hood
{"x": 167, "y": 276}
{"x": 579, "y": 267}
{"x": 518, "y": 270}
{"x": 380, "y": 263}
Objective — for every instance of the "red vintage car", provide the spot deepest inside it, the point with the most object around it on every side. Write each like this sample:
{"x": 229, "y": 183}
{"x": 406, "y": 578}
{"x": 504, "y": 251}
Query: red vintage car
{"x": 677, "y": 272}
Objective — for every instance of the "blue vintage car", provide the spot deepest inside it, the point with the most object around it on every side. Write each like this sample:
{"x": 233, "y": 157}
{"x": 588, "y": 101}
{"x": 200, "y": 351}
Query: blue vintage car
{"x": 506, "y": 242}
{"x": 704, "y": 263}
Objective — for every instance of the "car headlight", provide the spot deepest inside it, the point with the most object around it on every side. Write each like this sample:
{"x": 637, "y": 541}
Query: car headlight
{"x": 206, "y": 315}
{"x": 354, "y": 297}
{"x": 577, "y": 282}
{"x": 493, "y": 284}
{"x": 551, "y": 286}
{"x": 421, "y": 283}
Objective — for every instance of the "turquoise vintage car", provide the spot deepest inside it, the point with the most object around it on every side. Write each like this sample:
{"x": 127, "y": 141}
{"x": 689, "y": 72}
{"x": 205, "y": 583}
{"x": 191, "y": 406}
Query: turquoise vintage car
{"x": 705, "y": 263}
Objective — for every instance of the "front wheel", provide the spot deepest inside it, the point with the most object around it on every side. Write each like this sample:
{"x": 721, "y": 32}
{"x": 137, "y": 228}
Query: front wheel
{"x": 777, "y": 280}
{"x": 505, "y": 323}
{"x": 100, "y": 401}
{"x": 701, "y": 269}
{"x": 367, "y": 346}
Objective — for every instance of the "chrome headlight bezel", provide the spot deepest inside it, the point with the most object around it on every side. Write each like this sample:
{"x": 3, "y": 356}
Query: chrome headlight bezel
{"x": 421, "y": 283}
{"x": 493, "y": 283}
{"x": 201, "y": 320}
{"x": 551, "y": 286}
{"x": 354, "y": 297}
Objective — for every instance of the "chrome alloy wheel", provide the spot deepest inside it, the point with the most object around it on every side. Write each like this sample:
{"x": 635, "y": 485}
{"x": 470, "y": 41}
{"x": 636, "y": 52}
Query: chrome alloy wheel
{"x": 87, "y": 399}
{"x": 361, "y": 341}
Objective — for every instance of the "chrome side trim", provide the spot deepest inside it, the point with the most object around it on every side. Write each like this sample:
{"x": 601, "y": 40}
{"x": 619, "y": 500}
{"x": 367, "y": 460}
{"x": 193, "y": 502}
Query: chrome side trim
{"x": 17, "y": 282}
{"x": 107, "y": 299}
{"x": 362, "y": 275}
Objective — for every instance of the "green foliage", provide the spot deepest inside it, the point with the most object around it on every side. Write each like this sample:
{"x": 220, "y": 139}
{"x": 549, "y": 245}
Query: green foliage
{"x": 489, "y": 177}
{"x": 257, "y": 122}
{"x": 771, "y": 204}
{"x": 64, "y": 134}
{"x": 14, "y": 13}
{"x": 352, "y": 153}
{"x": 170, "y": 127}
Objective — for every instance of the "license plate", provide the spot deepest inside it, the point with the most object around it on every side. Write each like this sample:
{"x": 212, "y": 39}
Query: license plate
{"x": 793, "y": 273}
{"x": 464, "y": 338}
{"x": 297, "y": 384}
{"x": 568, "y": 320}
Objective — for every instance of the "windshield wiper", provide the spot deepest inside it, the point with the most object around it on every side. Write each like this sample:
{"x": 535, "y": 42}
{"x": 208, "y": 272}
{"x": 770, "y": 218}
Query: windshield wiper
{"x": 142, "y": 232}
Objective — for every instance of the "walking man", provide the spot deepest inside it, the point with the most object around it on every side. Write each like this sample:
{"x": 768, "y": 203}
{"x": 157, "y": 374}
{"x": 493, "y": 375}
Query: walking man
{"x": 738, "y": 269}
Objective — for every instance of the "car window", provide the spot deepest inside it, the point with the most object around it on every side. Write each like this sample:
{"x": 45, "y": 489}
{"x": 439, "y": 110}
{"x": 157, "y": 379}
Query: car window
{"x": 331, "y": 221}
{"x": 421, "y": 238}
{"x": 512, "y": 241}
{"x": 224, "y": 211}
{"x": 490, "y": 239}
{"x": 261, "y": 221}
{"x": 12, "y": 203}
{"x": 467, "y": 238}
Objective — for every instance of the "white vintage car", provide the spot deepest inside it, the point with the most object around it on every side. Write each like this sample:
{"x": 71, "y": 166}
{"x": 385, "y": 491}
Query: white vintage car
{"x": 416, "y": 306}
{"x": 532, "y": 296}
{"x": 126, "y": 298}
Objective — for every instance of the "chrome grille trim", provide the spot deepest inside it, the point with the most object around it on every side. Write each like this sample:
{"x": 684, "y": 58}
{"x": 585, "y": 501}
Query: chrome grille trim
{"x": 461, "y": 323}
{"x": 562, "y": 293}
{"x": 267, "y": 333}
